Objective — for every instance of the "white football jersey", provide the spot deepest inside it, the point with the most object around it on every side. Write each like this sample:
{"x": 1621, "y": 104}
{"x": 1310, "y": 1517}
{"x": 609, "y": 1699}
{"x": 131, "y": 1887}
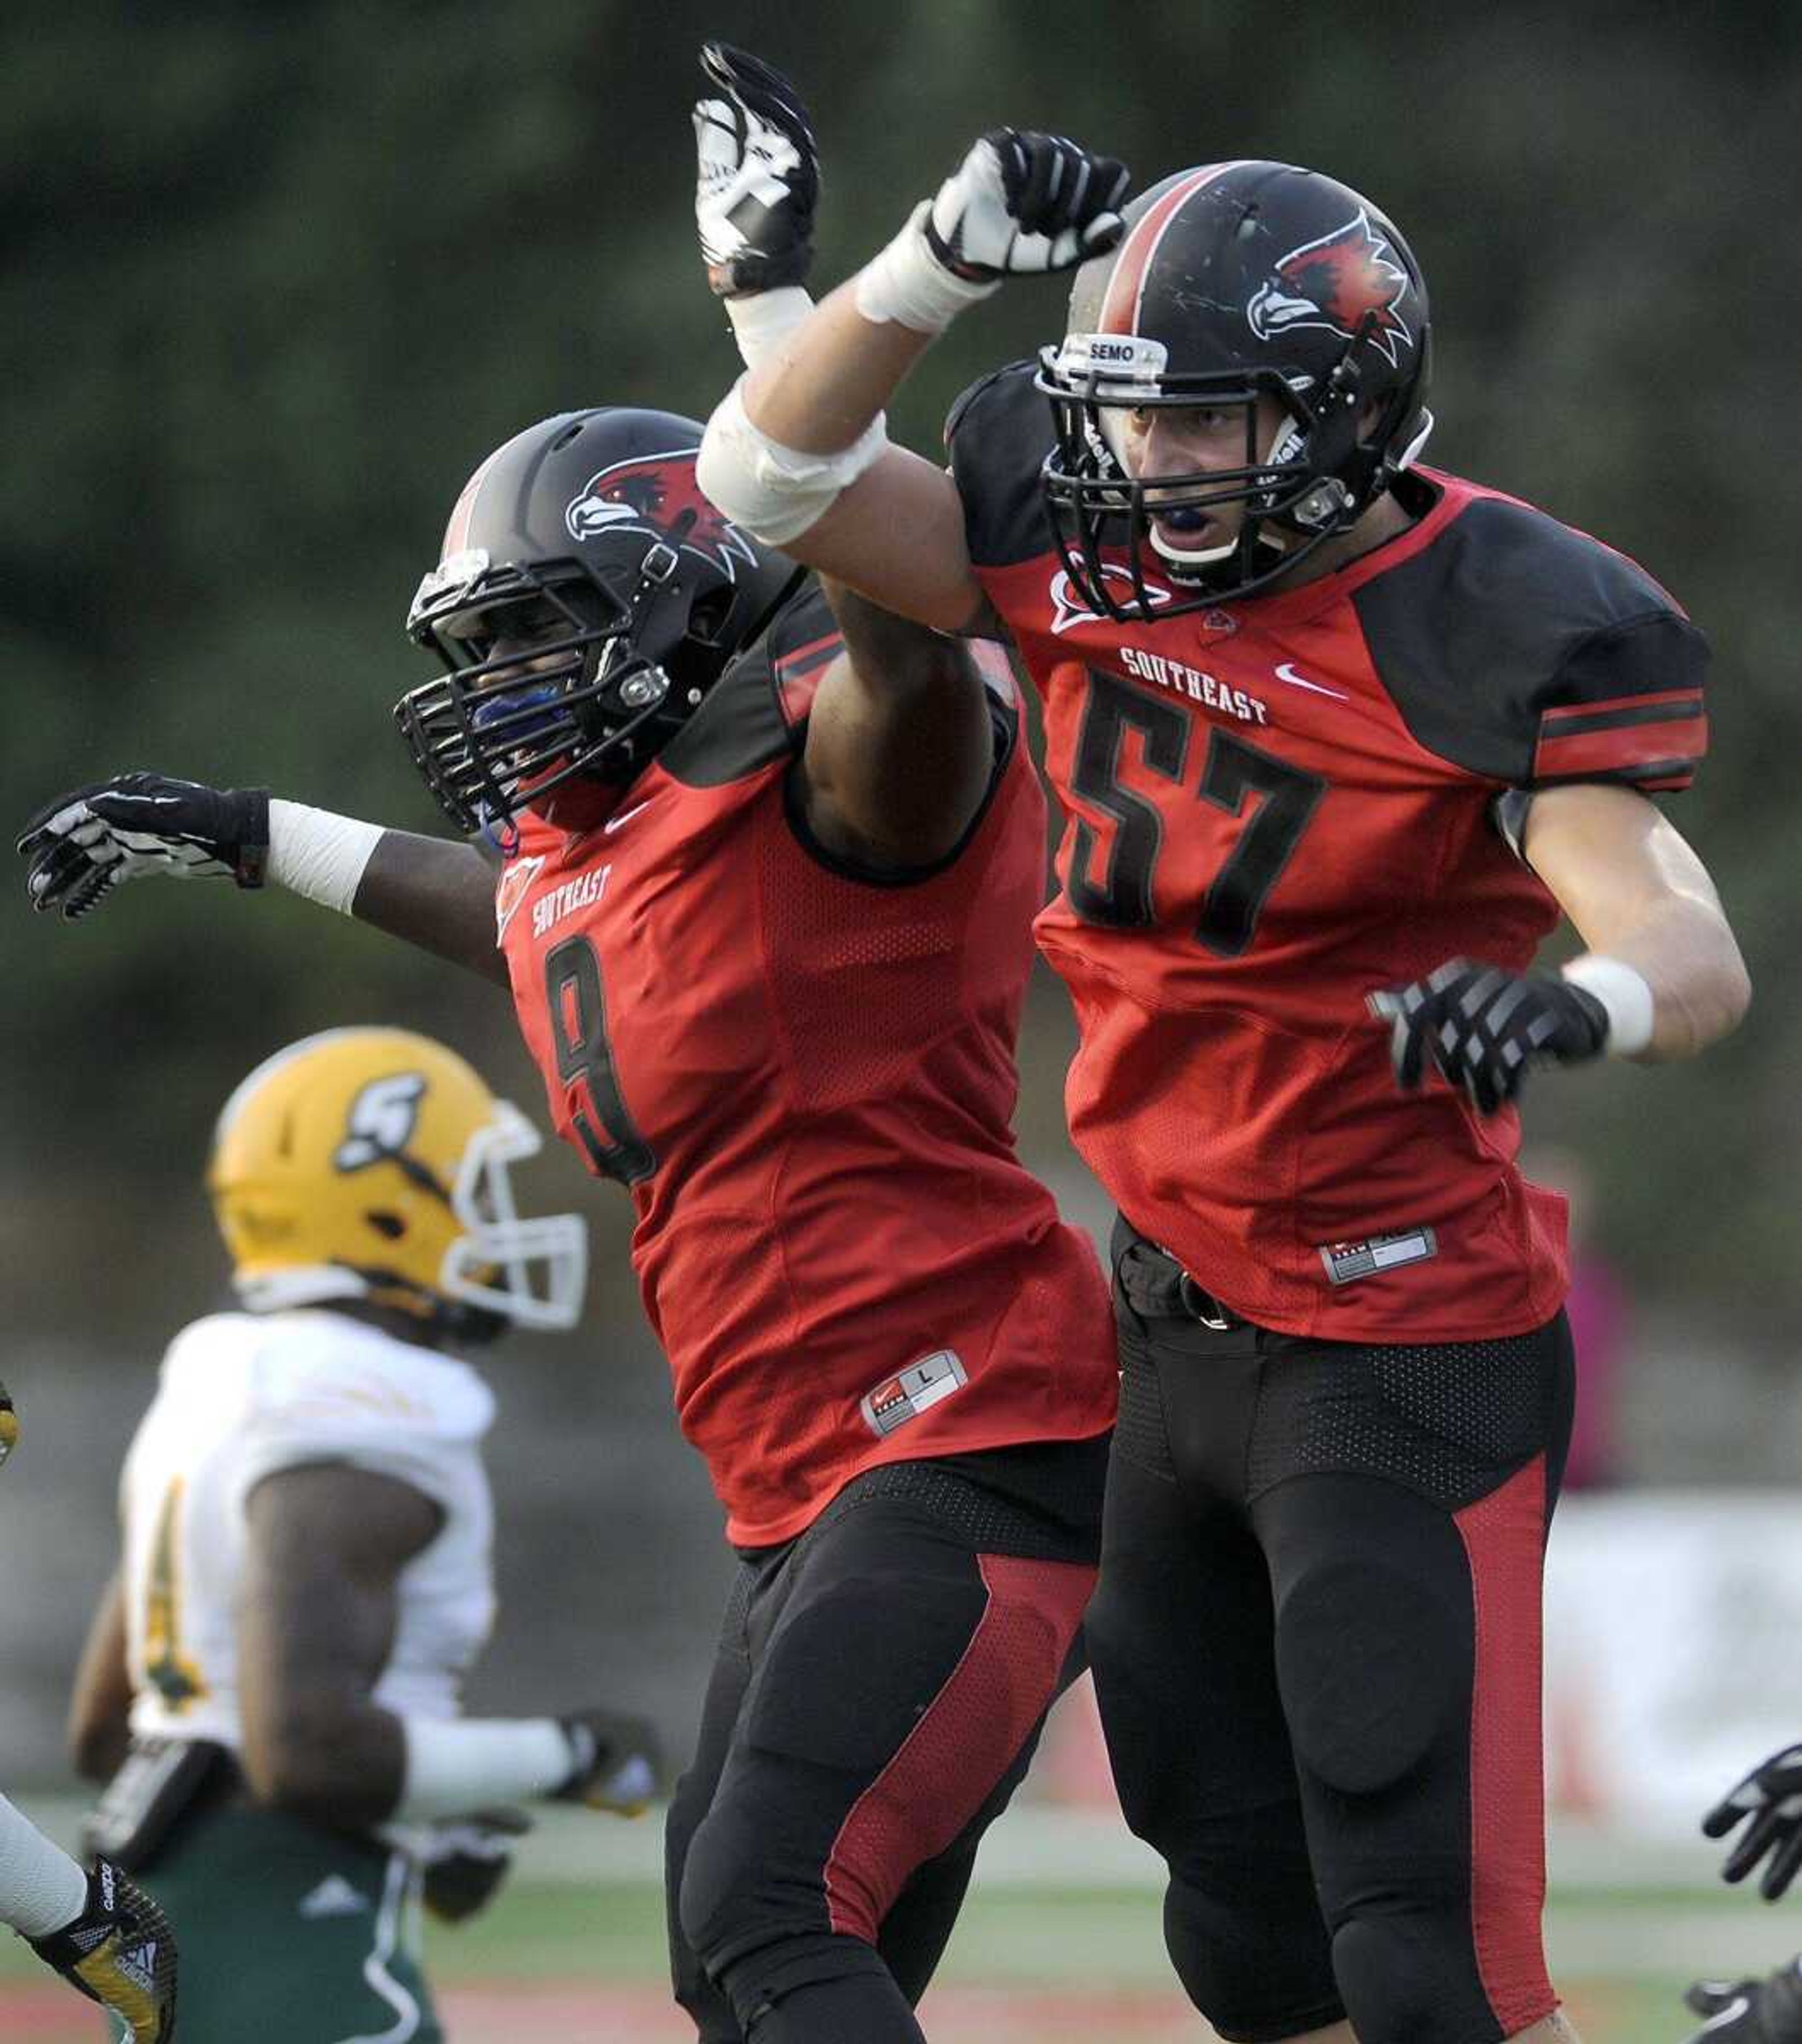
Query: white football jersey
{"x": 242, "y": 1396}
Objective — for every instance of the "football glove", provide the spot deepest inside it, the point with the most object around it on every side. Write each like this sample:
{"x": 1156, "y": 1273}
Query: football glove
{"x": 85, "y": 843}
{"x": 120, "y": 1952}
{"x": 1021, "y": 203}
{"x": 758, "y": 178}
{"x": 1771, "y": 1796}
{"x": 8, "y": 1425}
{"x": 1482, "y": 1028}
{"x": 465, "y": 1860}
{"x": 1748, "y": 2011}
{"x": 618, "y": 1762}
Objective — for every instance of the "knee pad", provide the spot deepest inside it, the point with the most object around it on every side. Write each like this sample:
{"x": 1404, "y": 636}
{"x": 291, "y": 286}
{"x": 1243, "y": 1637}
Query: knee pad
{"x": 1243, "y": 1925}
{"x": 1373, "y": 1669}
{"x": 1414, "y": 1974}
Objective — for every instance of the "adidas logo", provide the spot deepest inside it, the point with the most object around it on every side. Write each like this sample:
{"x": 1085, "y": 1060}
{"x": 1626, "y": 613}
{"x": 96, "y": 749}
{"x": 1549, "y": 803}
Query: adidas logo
{"x": 334, "y": 1896}
{"x": 138, "y": 1963}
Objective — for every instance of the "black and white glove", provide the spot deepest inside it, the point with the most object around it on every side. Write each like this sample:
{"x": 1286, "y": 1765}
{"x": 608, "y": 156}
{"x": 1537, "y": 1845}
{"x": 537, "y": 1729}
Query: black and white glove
{"x": 617, "y": 1762}
{"x": 83, "y": 844}
{"x": 1020, "y": 204}
{"x": 1482, "y": 1028}
{"x": 758, "y": 176}
{"x": 1771, "y": 1796}
{"x": 121, "y": 1953}
{"x": 465, "y": 1859}
{"x": 1748, "y": 2011}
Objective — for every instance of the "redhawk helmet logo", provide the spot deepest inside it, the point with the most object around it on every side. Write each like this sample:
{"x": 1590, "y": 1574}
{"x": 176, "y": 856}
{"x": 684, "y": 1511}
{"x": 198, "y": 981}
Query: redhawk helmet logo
{"x": 1336, "y": 283}
{"x": 650, "y": 494}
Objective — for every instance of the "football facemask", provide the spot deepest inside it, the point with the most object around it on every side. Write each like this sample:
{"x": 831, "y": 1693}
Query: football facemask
{"x": 1253, "y": 288}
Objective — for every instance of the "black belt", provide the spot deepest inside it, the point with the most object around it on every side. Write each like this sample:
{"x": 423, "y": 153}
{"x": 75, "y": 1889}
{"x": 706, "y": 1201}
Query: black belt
{"x": 1157, "y": 1286}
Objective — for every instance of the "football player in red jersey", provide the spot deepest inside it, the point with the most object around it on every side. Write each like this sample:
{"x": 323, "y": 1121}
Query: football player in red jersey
{"x": 765, "y": 906}
{"x": 1337, "y": 739}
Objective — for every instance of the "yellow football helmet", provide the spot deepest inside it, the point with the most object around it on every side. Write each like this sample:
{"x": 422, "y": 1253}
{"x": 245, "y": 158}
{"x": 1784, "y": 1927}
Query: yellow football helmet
{"x": 373, "y": 1164}
{"x": 9, "y": 1424}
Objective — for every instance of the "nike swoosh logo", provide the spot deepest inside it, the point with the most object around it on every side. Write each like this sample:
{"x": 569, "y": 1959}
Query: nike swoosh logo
{"x": 626, "y": 816}
{"x": 1286, "y": 673}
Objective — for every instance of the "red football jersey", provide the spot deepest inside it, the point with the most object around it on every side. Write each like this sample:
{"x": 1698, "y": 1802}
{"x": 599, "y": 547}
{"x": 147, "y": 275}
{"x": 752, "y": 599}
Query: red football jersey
{"x": 805, "y": 1075}
{"x": 1277, "y": 806}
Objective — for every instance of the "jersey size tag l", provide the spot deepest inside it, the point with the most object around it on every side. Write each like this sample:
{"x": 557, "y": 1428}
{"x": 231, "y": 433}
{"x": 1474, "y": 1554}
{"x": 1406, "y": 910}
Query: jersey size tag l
{"x": 907, "y": 1394}
{"x": 1346, "y": 1262}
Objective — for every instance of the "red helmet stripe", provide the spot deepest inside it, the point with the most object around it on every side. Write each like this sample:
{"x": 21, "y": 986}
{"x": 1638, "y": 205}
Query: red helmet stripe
{"x": 1126, "y": 288}
{"x": 462, "y": 513}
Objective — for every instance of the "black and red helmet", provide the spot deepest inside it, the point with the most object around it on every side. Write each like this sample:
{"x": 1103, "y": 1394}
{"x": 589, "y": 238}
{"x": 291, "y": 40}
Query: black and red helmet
{"x": 587, "y": 598}
{"x": 1235, "y": 281}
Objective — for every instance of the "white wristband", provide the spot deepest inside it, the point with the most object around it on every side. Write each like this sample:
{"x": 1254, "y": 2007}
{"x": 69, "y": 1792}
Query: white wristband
{"x": 908, "y": 285}
{"x": 776, "y": 492}
{"x": 41, "y": 1888}
{"x": 316, "y": 853}
{"x": 765, "y": 319}
{"x": 457, "y": 1765}
{"x": 1623, "y": 991}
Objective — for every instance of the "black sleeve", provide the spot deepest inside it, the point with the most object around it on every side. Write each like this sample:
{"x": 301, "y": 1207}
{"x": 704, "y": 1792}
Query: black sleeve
{"x": 998, "y": 434}
{"x": 1533, "y": 656}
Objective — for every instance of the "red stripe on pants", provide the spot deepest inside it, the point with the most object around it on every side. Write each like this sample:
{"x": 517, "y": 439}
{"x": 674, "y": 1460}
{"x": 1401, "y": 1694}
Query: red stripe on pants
{"x": 965, "y": 1741}
{"x": 1503, "y": 1536}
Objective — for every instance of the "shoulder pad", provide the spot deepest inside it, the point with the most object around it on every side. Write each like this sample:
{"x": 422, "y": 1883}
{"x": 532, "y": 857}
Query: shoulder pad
{"x": 1529, "y": 653}
{"x": 756, "y": 711}
{"x": 320, "y": 1371}
{"x": 999, "y": 433}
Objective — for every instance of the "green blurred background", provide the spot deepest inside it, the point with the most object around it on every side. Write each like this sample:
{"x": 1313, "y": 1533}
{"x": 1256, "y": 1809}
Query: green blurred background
{"x": 279, "y": 277}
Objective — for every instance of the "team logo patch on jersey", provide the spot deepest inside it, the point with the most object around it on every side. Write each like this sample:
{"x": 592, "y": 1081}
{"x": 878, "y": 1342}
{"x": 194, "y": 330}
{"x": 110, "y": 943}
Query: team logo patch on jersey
{"x": 649, "y": 495}
{"x": 1071, "y": 609}
{"x": 1347, "y": 1262}
{"x": 1335, "y": 282}
{"x": 913, "y": 1391}
{"x": 516, "y": 884}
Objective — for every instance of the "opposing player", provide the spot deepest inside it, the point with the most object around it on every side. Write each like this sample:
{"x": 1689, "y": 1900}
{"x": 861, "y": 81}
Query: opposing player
{"x": 765, "y": 903}
{"x": 1768, "y": 1803}
{"x": 99, "y": 1931}
{"x": 271, "y": 1681}
{"x": 1327, "y": 726}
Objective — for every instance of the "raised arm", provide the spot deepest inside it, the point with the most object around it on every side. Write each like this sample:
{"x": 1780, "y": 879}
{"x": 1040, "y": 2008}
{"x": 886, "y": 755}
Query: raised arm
{"x": 900, "y": 744}
{"x": 433, "y": 892}
{"x": 798, "y": 453}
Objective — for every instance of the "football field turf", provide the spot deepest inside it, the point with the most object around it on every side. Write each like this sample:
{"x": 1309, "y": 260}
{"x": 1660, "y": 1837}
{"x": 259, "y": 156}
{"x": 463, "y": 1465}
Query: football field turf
{"x": 559, "y": 1962}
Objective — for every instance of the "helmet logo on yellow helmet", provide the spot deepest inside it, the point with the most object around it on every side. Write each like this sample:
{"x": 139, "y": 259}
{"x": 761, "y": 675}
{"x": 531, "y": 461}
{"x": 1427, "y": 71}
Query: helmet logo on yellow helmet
{"x": 382, "y": 1118}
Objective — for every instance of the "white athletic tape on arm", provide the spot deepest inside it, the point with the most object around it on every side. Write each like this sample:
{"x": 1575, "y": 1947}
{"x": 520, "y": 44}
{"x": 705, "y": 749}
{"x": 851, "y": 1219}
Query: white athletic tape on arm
{"x": 1623, "y": 991}
{"x": 776, "y": 492}
{"x": 908, "y": 285}
{"x": 41, "y": 1888}
{"x": 762, "y": 322}
{"x": 316, "y": 853}
{"x": 457, "y": 1765}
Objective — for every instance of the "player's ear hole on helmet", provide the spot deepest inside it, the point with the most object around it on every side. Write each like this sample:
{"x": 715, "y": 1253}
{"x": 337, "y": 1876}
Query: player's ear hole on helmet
{"x": 391, "y": 1225}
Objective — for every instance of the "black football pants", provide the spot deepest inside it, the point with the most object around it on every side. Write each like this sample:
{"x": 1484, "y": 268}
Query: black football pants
{"x": 1316, "y": 1648}
{"x": 880, "y": 1687}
